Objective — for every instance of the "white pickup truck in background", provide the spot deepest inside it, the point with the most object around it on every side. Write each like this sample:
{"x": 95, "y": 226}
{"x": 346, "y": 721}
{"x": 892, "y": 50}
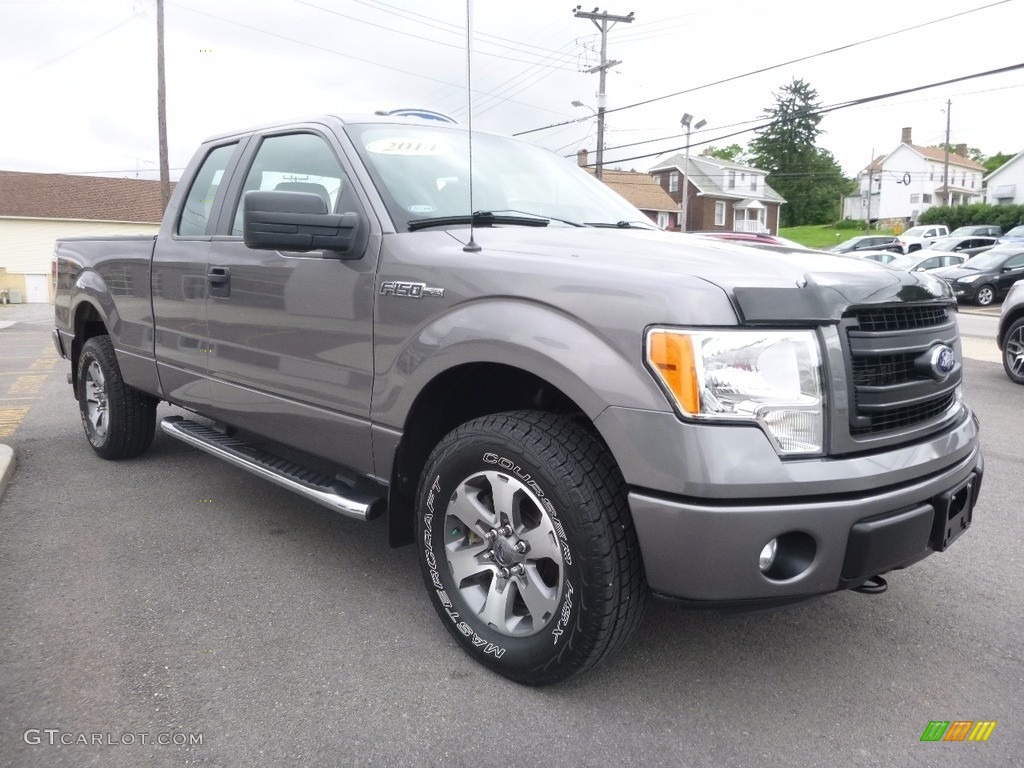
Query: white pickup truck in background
{"x": 916, "y": 238}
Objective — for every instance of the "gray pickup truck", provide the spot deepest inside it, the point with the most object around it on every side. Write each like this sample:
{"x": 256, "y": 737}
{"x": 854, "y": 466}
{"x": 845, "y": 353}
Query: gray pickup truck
{"x": 563, "y": 407}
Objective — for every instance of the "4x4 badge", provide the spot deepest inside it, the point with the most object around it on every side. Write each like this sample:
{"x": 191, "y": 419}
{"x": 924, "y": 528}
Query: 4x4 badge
{"x": 408, "y": 290}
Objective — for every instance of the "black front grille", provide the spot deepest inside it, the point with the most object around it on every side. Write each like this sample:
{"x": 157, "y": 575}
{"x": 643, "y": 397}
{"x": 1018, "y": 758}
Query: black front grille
{"x": 888, "y": 351}
{"x": 900, "y": 318}
{"x": 882, "y": 370}
{"x": 905, "y": 416}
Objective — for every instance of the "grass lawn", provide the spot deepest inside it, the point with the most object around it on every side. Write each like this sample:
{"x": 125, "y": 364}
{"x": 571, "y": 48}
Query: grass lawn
{"x": 824, "y": 236}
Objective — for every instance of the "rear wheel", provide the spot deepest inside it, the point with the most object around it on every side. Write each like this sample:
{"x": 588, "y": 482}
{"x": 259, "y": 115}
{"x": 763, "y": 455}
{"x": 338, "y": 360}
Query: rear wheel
{"x": 119, "y": 420}
{"x": 986, "y": 295}
{"x": 1013, "y": 352}
{"x": 527, "y": 546}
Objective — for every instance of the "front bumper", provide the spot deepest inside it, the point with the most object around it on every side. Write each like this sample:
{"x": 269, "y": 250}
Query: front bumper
{"x": 705, "y": 502}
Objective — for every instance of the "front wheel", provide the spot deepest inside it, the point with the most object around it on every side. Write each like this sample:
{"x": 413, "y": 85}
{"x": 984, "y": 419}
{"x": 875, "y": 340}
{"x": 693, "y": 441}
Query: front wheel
{"x": 1013, "y": 352}
{"x": 119, "y": 420}
{"x": 986, "y": 295}
{"x": 527, "y": 546}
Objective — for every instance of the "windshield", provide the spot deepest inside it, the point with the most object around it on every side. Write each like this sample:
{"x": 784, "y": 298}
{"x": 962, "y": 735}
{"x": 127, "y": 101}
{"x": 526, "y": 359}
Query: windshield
{"x": 991, "y": 259}
{"x": 1015, "y": 232}
{"x": 946, "y": 245}
{"x": 916, "y": 231}
{"x": 903, "y": 262}
{"x": 423, "y": 173}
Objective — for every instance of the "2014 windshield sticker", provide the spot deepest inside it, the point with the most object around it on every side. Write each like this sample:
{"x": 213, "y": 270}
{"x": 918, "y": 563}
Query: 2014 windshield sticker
{"x": 407, "y": 147}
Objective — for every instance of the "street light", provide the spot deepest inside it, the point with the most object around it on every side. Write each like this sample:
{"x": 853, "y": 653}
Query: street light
{"x": 685, "y": 122}
{"x": 600, "y": 137}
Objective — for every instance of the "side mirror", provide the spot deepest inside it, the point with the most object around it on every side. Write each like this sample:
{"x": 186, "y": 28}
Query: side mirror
{"x": 298, "y": 221}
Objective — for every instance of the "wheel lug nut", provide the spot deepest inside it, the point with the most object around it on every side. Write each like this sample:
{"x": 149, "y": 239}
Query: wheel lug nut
{"x": 504, "y": 573}
{"x": 519, "y": 569}
{"x": 522, "y": 547}
{"x": 491, "y": 535}
{"x": 488, "y": 555}
{"x": 505, "y": 530}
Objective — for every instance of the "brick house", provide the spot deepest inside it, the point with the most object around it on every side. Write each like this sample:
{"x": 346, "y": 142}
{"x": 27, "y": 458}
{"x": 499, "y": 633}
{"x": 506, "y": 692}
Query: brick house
{"x": 723, "y": 196}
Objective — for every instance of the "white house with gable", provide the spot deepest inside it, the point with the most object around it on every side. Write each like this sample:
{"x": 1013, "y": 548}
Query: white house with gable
{"x": 911, "y": 179}
{"x": 1005, "y": 185}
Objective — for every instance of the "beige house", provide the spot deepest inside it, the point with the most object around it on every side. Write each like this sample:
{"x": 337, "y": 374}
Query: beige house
{"x": 37, "y": 208}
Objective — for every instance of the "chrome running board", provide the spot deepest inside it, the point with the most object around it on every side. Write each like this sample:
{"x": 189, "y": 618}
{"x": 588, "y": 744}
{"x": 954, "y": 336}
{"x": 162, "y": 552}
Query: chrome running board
{"x": 314, "y": 485}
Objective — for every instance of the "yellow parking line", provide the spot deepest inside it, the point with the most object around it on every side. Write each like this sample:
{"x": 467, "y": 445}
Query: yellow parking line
{"x": 28, "y": 385}
{"x": 10, "y": 419}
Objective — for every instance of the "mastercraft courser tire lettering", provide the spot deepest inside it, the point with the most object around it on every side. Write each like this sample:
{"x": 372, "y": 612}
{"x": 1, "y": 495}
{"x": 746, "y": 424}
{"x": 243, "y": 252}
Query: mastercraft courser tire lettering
{"x": 119, "y": 420}
{"x": 527, "y": 546}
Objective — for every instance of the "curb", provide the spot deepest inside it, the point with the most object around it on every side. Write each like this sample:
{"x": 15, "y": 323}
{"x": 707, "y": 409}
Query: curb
{"x": 6, "y": 466}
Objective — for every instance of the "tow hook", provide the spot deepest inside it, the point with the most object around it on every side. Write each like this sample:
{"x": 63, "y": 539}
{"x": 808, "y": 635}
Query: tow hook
{"x": 876, "y": 585}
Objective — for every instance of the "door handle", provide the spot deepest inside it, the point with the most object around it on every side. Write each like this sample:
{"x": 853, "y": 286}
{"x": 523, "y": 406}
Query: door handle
{"x": 218, "y": 275}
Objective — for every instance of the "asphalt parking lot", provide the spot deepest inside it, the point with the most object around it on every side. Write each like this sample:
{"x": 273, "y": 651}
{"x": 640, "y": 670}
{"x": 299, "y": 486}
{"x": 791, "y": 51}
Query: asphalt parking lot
{"x": 173, "y": 598}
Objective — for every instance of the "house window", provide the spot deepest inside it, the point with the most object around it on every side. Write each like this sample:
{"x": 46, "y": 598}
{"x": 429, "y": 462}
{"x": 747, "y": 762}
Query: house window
{"x": 673, "y": 182}
{"x": 753, "y": 183}
{"x": 732, "y": 179}
{"x": 719, "y": 213}
{"x": 663, "y": 219}
{"x": 972, "y": 181}
{"x": 931, "y": 175}
{"x": 657, "y": 179}
{"x": 915, "y": 198}
{"x": 926, "y": 199}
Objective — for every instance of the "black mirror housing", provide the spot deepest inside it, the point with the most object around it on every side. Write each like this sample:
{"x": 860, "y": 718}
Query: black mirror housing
{"x": 298, "y": 221}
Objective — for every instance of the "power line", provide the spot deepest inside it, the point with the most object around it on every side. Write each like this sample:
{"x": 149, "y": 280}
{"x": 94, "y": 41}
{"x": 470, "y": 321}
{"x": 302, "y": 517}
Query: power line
{"x": 781, "y": 64}
{"x": 836, "y": 107}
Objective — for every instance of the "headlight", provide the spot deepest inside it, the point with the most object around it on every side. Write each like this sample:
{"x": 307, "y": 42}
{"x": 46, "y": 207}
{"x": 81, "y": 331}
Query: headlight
{"x": 772, "y": 378}
{"x": 968, "y": 279}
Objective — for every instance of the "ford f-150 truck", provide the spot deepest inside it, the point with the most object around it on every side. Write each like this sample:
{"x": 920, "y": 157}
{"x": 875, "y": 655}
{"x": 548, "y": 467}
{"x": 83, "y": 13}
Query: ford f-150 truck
{"x": 563, "y": 407}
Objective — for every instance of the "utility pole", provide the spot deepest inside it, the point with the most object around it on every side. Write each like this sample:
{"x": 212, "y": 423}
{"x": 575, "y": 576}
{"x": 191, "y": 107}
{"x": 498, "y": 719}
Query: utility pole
{"x": 945, "y": 167}
{"x": 161, "y": 105}
{"x": 867, "y": 215}
{"x": 601, "y": 20}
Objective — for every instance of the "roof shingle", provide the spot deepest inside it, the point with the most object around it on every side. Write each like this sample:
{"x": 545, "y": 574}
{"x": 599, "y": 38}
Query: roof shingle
{"x": 64, "y": 196}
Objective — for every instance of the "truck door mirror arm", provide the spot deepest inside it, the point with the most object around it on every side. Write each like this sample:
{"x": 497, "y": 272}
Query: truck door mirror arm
{"x": 299, "y": 221}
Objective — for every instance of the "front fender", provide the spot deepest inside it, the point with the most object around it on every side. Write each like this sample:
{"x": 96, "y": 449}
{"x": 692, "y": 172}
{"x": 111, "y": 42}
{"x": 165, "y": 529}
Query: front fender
{"x": 594, "y": 370}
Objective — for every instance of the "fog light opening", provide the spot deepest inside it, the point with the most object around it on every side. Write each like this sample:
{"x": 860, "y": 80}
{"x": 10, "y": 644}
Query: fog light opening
{"x": 791, "y": 556}
{"x": 767, "y": 557}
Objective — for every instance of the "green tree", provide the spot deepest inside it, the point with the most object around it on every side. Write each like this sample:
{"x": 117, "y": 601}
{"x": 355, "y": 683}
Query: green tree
{"x": 733, "y": 153}
{"x": 807, "y": 176}
{"x": 997, "y": 160}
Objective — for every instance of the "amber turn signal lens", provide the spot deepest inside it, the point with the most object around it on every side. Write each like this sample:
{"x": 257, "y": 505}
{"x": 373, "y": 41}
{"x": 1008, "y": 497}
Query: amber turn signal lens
{"x": 671, "y": 354}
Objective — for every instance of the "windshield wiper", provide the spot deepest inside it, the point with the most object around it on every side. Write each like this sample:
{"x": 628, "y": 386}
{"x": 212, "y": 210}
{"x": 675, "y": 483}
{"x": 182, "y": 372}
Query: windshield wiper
{"x": 529, "y": 213}
{"x": 621, "y": 224}
{"x": 478, "y": 219}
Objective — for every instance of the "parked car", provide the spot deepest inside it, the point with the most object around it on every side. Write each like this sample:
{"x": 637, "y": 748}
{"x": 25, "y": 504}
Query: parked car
{"x": 1010, "y": 336}
{"x": 916, "y": 238}
{"x": 985, "y": 230}
{"x": 1015, "y": 235}
{"x": 868, "y": 243}
{"x": 968, "y": 246}
{"x": 988, "y": 276}
{"x": 882, "y": 257}
{"x": 924, "y": 261}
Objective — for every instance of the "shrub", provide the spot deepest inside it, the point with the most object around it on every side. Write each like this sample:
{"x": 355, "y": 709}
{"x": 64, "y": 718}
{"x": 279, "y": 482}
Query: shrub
{"x": 849, "y": 224}
{"x": 1005, "y": 216}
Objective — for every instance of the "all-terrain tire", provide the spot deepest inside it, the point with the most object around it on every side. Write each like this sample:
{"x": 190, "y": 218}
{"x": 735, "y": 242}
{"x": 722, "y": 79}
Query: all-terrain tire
{"x": 1013, "y": 352}
{"x": 119, "y": 420}
{"x": 527, "y": 545}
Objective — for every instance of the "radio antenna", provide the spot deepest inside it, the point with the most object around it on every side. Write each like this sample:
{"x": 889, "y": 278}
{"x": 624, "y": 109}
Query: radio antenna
{"x": 471, "y": 246}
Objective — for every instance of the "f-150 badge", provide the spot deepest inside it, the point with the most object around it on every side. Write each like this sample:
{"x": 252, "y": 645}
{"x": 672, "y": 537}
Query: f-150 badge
{"x": 408, "y": 290}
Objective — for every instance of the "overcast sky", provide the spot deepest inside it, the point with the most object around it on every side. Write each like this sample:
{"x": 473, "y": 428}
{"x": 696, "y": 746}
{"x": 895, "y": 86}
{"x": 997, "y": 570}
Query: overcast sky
{"x": 78, "y": 77}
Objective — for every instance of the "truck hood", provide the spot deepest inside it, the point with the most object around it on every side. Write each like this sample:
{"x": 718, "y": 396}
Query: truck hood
{"x": 764, "y": 286}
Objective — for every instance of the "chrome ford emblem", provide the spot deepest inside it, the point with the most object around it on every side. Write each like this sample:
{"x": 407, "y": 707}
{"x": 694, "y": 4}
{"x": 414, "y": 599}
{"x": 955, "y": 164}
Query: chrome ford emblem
{"x": 943, "y": 361}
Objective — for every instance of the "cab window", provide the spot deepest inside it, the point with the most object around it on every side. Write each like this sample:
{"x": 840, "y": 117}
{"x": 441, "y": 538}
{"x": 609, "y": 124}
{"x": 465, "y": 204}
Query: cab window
{"x": 195, "y": 213}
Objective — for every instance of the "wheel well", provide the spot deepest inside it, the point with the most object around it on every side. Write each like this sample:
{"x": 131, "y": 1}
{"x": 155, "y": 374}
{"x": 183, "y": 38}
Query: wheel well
{"x": 1006, "y": 322}
{"x": 88, "y": 323}
{"x": 453, "y": 398}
